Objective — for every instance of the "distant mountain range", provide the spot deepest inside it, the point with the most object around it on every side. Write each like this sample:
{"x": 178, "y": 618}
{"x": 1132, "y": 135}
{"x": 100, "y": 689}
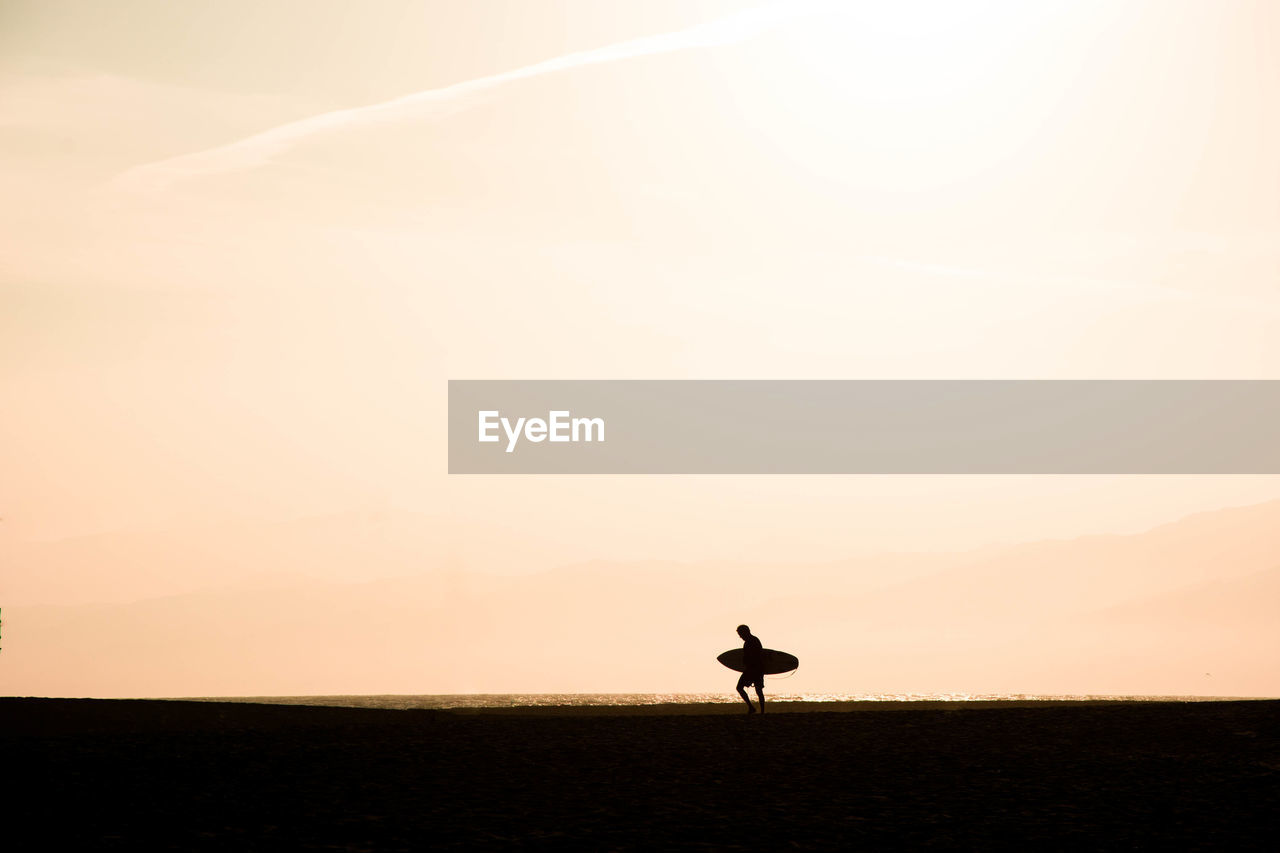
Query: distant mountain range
{"x": 1184, "y": 608}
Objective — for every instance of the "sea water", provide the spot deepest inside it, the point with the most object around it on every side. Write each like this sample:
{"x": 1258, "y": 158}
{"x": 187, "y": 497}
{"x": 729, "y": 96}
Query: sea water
{"x": 538, "y": 700}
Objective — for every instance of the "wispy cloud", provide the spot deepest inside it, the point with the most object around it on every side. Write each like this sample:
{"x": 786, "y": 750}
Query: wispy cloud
{"x": 259, "y": 148}
{"x": 932, "y": 269}
{"x": 1053, "y": 277}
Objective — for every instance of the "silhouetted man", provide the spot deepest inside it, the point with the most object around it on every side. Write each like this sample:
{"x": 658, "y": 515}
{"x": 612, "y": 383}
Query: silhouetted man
{"x": 752, "y": 668}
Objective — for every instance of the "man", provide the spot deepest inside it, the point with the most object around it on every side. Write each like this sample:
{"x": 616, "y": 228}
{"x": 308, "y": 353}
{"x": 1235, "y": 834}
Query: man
{"x": 752, "y": 668}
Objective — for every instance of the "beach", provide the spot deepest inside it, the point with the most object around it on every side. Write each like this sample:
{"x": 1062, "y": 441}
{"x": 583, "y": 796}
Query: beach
{"x": 120, "y": 774}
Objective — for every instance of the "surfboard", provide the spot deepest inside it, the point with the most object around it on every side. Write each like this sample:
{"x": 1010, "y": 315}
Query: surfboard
{"x": 775, "y": 662}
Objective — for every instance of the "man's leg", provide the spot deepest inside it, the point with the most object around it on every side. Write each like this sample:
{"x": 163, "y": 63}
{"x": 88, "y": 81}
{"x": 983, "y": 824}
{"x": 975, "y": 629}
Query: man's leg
{"x": 760, "y": 695}
{"x": 742, "y": 691}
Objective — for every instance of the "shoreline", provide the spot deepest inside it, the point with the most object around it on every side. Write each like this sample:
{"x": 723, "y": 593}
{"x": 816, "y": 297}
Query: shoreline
{"x": 15, "y": 710}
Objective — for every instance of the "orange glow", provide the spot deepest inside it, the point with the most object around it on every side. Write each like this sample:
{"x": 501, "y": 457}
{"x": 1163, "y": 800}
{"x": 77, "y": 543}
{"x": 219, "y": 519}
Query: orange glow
{"x": 245, "y": 252}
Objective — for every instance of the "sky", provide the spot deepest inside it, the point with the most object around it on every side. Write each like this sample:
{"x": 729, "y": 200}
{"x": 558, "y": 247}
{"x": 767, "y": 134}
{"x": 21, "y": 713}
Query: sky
{"x": 248, "y": 243}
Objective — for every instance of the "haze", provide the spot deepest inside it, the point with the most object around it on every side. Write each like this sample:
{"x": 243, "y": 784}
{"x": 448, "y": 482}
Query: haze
{"x": 247, "y": 243}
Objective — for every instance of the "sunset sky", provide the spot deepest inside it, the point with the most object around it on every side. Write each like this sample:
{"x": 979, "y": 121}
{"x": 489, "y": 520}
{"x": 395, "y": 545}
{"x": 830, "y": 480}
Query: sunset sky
{"x": 247, "y": 243}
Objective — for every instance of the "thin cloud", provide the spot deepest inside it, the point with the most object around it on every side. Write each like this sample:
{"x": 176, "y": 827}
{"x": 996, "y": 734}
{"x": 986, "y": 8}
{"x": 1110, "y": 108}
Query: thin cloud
{"x": 259, "y": 148}
{"x": 1077, "y": 283}
{"x": 932, "y": 269}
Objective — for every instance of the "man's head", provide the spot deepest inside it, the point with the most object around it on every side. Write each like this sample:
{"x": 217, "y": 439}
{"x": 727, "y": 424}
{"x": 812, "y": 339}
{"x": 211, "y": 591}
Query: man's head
{"x": 744, "y": 631}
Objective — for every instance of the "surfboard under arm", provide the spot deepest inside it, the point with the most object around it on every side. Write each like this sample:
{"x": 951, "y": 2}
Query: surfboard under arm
{"x": 775, "y": 662}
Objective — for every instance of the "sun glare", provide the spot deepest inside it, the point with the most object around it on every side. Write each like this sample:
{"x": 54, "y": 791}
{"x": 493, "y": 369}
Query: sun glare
{"x": 907, "y": 95}
{"x": 920, "y": 48}
{"x": 914, "y": 53}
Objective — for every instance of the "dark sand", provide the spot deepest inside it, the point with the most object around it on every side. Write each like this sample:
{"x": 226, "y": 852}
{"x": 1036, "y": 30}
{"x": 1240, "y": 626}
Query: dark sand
{"x": 229, "y": 776}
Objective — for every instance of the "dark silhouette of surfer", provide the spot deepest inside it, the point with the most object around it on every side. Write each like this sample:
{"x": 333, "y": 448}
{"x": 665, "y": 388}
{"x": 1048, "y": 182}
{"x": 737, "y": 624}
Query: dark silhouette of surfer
{"x": 752, "y": 668}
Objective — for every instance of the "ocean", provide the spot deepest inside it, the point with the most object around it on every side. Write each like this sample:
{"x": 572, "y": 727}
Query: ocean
{"x": 538, "y": 700}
